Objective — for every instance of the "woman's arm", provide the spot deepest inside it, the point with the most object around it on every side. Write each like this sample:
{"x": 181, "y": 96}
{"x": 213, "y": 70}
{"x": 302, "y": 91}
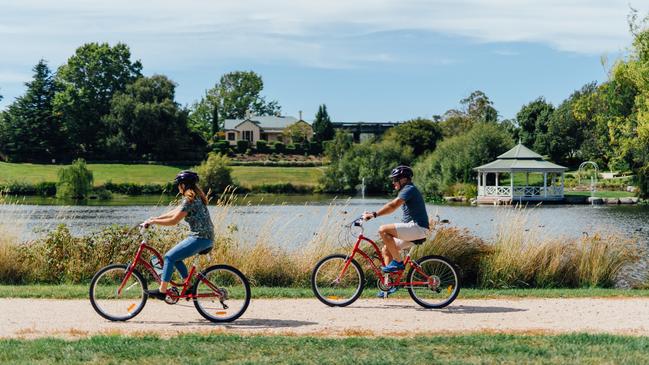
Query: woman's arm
{"x": 168, "y": 219}
{"x": 169, "y": 214}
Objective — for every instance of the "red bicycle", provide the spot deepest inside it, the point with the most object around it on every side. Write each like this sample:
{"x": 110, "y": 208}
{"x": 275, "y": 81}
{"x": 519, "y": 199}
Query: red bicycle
{"x": 220, "y": 293}
{"x": 338, "y": 280}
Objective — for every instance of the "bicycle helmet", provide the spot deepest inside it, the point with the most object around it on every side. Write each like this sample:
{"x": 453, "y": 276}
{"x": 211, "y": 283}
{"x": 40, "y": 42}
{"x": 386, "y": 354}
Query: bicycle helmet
{"x": 186, "y": 177}
{"x": 401, "y": 171}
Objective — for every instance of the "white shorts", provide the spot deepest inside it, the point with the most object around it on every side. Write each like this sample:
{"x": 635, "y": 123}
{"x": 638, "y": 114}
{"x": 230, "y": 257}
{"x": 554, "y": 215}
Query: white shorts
{"x": 408, "y": 232}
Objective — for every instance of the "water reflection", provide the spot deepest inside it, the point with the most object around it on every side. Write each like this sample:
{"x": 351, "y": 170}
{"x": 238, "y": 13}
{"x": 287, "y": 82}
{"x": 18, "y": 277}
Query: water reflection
{"x": 293, "y": 224}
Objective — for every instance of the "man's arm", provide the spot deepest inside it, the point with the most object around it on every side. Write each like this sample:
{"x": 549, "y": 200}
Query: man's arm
{"x": 386, "y": 209}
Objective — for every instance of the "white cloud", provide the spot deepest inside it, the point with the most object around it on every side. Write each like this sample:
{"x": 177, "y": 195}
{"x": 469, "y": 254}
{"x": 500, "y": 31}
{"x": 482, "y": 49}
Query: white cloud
{"x": 319, "y": 34}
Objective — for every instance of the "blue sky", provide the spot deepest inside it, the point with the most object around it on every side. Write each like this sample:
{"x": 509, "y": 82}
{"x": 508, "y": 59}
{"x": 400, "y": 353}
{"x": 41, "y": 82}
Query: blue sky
{"x": 368, "y": 60}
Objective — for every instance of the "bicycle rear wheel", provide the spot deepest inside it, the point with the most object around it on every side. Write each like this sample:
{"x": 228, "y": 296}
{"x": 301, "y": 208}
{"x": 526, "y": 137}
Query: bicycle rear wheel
{"x": 114, "y": 305}
{"x": 221, "y": 293}
{"x": 334, "y": 289}
{"x": 439, "y": 282}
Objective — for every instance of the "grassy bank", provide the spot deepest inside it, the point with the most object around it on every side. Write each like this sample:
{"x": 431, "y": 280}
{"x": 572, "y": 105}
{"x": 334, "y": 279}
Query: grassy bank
{"x": 247, "y": 176}
{"x": 469, "y": 349}
{"x": 80, "y": 291}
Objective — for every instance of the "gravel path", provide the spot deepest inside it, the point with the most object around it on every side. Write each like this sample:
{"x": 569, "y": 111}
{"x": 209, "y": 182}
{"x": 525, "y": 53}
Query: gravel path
{"x": 30, "y": 318}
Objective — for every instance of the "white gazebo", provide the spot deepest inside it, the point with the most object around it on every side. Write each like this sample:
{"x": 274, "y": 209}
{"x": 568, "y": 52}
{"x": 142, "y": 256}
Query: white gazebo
{"x": 497, "y": 182}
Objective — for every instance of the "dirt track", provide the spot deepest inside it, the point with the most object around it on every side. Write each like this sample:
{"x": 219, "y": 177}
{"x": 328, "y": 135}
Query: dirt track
{"x": 29, "y": 318}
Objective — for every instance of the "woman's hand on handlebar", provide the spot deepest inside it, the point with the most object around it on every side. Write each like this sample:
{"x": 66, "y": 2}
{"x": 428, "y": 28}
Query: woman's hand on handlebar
{"x": 367, "y": 215}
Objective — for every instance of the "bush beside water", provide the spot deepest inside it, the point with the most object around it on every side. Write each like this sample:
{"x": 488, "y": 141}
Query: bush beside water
{"x": 516, "y": 259}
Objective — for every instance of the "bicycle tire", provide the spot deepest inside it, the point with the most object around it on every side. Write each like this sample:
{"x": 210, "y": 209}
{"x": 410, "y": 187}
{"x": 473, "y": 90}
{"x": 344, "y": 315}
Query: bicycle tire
{"x": 97, "y": 307}
{"x": 326, "y": 299}
{"x": 206, "y": 274}
{"x": 455, "y": 283}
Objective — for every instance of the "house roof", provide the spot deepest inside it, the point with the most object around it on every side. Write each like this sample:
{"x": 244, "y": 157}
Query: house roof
{"x": 520, "y": 158}
{"x": 264, "y": 122}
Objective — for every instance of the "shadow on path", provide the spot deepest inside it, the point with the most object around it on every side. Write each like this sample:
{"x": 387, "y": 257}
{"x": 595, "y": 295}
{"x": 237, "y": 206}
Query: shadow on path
{"x": 258, "y": 323}
{"x": 469, "y": 309}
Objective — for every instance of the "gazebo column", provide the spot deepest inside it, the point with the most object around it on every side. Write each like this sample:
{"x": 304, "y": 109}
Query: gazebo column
{"x": 511, "y": 184}
{"x": 562, "y": 184}
{"x": 497, "y": 173}
{"x": 545, "y": 184}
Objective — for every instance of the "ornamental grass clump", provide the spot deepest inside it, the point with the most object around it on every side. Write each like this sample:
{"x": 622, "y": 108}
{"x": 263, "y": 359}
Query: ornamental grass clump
{"x": 524, "y": 257}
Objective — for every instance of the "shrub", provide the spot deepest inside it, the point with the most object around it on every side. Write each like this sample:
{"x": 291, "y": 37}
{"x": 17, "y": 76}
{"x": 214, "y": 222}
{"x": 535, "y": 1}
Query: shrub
{"x": 75, "y": 181}
{"x": 262, "y": 146}
{"x": 242, "y": 146}
{"x": 278, "y": 147}
{"x": 315, "y": 148}
{"x": 290, "y": 149}
{"x": 220, "y": 146}
{"x": 19, "y": 188}
{"x": 215, "y": 174}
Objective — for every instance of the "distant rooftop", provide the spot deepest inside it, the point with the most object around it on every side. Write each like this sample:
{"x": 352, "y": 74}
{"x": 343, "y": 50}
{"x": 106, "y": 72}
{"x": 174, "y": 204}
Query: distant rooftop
{"x": 266, "y": 121}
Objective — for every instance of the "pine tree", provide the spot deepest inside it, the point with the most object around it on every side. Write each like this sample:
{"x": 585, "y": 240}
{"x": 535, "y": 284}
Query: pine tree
{"x": 30, "y": 130}
{"x": 323, "y": 129}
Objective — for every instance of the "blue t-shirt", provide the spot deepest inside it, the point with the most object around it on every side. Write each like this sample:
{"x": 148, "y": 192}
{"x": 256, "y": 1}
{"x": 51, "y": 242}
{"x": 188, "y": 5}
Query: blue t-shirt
{"x": 414, "y": 208}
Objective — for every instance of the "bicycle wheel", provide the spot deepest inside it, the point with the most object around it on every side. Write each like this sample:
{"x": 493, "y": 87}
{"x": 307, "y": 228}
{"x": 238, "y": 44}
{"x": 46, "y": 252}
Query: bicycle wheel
{"x": 331, "y": 288}
{"x": 440, "y": 282}
{"x": 221, "y": 293}
{"x": 112, "y": 305}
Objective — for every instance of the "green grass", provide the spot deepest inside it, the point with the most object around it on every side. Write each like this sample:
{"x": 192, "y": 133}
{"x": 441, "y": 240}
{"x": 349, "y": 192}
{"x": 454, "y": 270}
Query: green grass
{"x": 159, "y": 174}
{"x": 257, "y": 175}
{"x": 230, "y": 349}
{"x": 68, "y": 291}
{"x": 604, "y": 194}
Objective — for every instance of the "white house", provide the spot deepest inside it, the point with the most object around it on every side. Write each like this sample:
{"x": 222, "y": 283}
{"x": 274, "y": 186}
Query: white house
{"x": 266, "y": 128}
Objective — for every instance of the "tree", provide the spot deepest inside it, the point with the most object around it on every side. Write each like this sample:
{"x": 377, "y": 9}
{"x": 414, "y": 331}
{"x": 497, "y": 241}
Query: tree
{"x": 88, "y": 82}
{"x": 215, "y": 173}
{"x": 420, "y": 134}
{"x": 479, "y": 108}
{"x": 29, "y": 131}
{"x": 236, "y": 93}
{"x": 533, "y": 121}
{"x": 454, "y": 159}
{"x": 368, "y": 161}
{"x": 146, "y": 123}
{"x": 297, "y": 132}
{"x": 75, "y": 181}
{"x": 454, "y": 123}
{"x": 323, "y": 129}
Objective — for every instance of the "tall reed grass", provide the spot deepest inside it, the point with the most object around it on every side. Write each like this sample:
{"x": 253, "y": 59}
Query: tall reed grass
{"x": 516, "y": 258}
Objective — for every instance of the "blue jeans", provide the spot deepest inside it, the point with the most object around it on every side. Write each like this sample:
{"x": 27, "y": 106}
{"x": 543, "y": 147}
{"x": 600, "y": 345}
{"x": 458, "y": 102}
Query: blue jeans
{"x": 186, "y": 248}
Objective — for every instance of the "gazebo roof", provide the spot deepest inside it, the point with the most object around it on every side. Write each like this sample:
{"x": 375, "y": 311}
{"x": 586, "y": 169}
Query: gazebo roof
{"x": 520, "y": 158}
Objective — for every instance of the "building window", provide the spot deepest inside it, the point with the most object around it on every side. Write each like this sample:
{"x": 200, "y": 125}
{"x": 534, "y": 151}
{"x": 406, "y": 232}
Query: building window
{"x": 230, "y": 136}
{"x": 247, "y": 135}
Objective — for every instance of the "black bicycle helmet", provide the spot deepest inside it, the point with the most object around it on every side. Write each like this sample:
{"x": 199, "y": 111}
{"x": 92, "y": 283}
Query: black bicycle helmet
{"x": 186, "y": 177}
{"x": 401, "y": 171}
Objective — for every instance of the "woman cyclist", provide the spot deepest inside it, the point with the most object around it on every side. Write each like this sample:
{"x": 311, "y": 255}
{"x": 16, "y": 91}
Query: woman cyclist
{"x": 193, "y": 208}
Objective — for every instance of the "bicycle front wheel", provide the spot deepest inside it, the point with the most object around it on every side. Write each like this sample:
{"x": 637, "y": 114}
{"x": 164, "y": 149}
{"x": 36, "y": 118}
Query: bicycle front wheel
{"x": 434, "y": 282}
{"x": 221, "y": 293}
{"x": 112, "y": 303}
{"x": 334, "y": 287}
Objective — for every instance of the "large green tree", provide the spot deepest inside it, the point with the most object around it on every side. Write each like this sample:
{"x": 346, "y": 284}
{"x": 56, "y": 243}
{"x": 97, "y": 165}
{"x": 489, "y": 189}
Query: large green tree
{"x": 236, "y": 93}
{"x": 146, "y": 123}
{"x": 323, "y": 129}
{"x": 88, "y": 82}
{"x": 533, "y": 121}
{"x": 420, "y": 134}
{"x": 454, "y": 159}
{"x": 479, "y": 108}
{"x": 29, "y": 130}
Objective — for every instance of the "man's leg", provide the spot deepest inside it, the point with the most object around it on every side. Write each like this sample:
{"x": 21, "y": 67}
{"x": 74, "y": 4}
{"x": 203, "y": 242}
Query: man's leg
{"x": 388, "y": 232}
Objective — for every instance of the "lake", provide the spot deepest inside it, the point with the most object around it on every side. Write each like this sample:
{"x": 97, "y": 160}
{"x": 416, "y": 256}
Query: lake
{"x": 292, "y": 223}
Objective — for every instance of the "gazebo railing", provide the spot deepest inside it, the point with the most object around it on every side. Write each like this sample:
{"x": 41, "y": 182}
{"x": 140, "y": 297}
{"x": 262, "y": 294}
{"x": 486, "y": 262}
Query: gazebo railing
{"x": 531, "y": 191}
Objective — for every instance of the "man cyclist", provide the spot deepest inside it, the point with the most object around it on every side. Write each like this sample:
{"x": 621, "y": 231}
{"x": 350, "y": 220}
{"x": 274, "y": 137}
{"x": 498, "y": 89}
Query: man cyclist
{"x": 414, "y": 226}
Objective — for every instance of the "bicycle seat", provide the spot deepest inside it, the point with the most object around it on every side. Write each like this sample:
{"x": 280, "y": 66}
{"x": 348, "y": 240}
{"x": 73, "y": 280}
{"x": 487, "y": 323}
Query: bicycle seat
{"x": 419, "y": 241}
{"x": 206, "y": 251}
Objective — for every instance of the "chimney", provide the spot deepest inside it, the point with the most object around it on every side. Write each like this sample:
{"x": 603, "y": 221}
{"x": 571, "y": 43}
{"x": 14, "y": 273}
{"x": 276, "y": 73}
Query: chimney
{"x": 300, "y": 115}
{"x": 248, "y": 114}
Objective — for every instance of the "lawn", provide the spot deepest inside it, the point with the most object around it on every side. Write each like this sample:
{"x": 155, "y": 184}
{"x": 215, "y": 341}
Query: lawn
{"x": 231, "y": 349}
{"x": 68, "y": 291}
{"x": 603, "y": 194}
{"x": 159, "y": 174}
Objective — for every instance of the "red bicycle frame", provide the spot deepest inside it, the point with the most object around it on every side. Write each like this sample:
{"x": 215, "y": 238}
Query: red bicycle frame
{"x": 395, "y": 276}
{"x": 185, "y": 285}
